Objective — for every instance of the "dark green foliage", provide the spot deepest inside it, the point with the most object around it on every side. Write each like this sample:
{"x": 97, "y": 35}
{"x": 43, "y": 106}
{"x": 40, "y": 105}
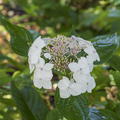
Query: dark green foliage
{"x": 73, "y": 108}
{"x": 29, "y": 103}
{"x": 20, "y": 37}
{"x": 97, "y": 21}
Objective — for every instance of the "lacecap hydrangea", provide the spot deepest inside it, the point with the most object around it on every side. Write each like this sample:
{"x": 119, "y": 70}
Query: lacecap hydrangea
{"x": 73, "y": 57}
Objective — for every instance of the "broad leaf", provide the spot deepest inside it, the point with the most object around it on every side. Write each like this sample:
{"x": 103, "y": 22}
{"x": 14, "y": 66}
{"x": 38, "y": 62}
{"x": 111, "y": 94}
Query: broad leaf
{"x": 54, "y": 115}
{"x": 115, "y": 62}
{"x": 29, "y": 103}
{"x": 116, "y": 75}
{"x": 4, "y": 78}
{"x": 106, "y": 45}
{"x": 20, "y": 37}
{"x": 101, "y": 115}
{"x": 73, "y": 108}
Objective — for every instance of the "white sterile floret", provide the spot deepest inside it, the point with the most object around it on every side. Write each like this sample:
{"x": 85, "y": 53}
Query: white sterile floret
{"x": 91, "y": 84}
{"x": 81, "y": 70}
{"x": 34, "y": 52}
{"x": 63, "y": 85}
{"x": 73, "y": 66}
{"x": 82, "y": 65}
{"x": 75, "y": 89}
{"x": 68, "y": 88}
{"x": 91, "y": 51}
{"x": 47, "y": 55}
{"x": 43, "y": 74}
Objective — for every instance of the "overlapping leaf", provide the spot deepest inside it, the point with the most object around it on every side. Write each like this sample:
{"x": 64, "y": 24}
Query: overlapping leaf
{"x": 106, "y": 45}
{"x": 29, "y": 103}
{"x": 20, "y": 37}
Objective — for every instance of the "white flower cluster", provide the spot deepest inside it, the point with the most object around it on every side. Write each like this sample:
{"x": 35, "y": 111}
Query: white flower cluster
{"x": 81, "y": 80}
{"x": 42, "y": 71}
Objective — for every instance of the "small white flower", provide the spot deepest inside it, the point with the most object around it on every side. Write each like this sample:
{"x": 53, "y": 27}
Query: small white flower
{"x": 75, "y": 89}
{"x": 63, "y": 85}
{"x": 82, "y": 65}
{"x": 47, "y": 55}
{"x": 43, "y": 74}
{"x": 91, "y": 84}
{"x": 34, "y": 52}
{"x": 68, "y": 88}
{"x": 79, "y": 76}
{"x": 73, "y": 66}
{"x": 91, "y": 51}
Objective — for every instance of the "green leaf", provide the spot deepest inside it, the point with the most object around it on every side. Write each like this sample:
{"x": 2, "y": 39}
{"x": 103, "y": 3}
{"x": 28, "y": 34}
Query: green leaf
{"x": 116, "y": 75}
{"x": 54, "y": 115}
{"x": 101, "y": 115}
{"x": 115, "y": 62}
{"x": 101, "y": 77}
{"x": 73, "y": 108}
{"x": 29, "y": 103}
{"x": 4, "y": 78}
{"x": 20, "y": 37}
{"x": 106, "y": 45}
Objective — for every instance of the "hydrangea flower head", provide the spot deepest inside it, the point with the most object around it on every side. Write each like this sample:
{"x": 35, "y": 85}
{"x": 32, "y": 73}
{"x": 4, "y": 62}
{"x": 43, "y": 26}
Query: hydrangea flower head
{"x": 72, "y": 56}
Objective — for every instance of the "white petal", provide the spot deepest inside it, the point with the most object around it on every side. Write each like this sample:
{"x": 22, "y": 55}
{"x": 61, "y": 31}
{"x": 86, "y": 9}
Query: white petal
{"x": 91, "y": 84}
{"x": 83, "y": 64}
{"x": 75, "y": 89}
{"x": 64, "y": 83}
{"x": 48, "y": 66}
{"x": 90, "y": 62}
{"x": 91, "y": 51}
{"x": 41, "y": 63}
{"x": 36, "y": 80}
{"x": 83, "y": 87}
{"x": 79, "y": 76}
{"x": 90, "y": 59}
{"x": 64, "y": 93}
{"x": 73, "y": 66}
{"x": 37, "y": 74}
{"x": 46, "y": 75}
{"x": 81, "y": 79}
{"x": 35, "y": 50}
{"x": 46, "y": 84}
{"x": 38, "y": 43}
{"x": 34, "y": 56}
{"x": 37, "y": 83}
{"x": 47, "y": 55}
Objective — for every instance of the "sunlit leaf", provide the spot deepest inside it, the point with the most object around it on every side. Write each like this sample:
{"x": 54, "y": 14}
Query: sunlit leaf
{"x": 106, "y": 45}
{"x": 29, "y": 103}
{"x": 4, "y": 78}
{"x": 20, "y": 37}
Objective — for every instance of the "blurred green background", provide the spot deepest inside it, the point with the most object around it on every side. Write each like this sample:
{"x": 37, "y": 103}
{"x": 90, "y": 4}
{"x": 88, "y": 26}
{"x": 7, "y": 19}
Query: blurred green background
{"x": 84, "y": 18}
